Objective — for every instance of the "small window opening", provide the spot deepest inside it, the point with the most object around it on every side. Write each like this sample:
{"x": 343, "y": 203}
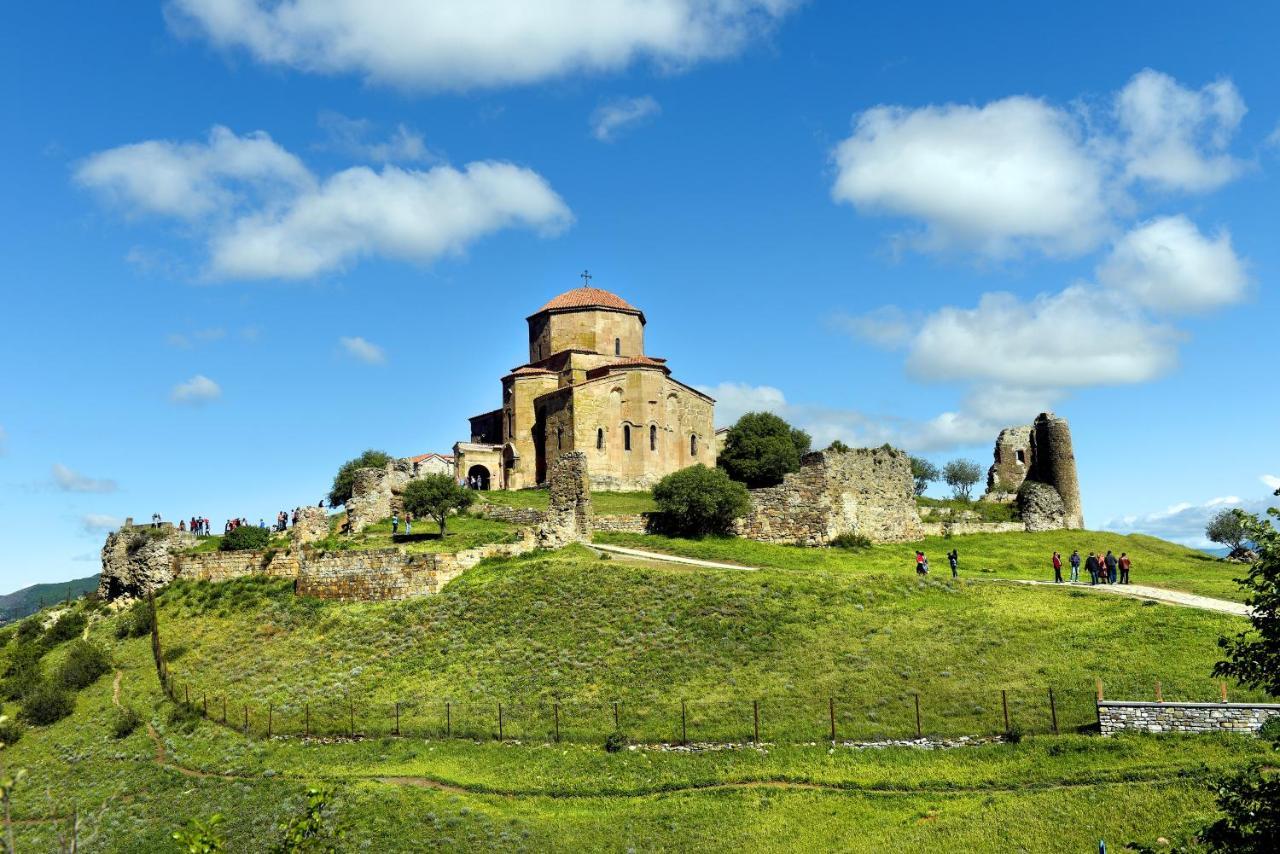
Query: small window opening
{"x": 693, "y": 445}
{"x": 511, "y": 430}
{"x": 653, "y": 437}
{"x": 559, "y": 438}
{"x": 626, "y": 437}
{"x": 1022, "y": 457}
{"x": 617, "y": 346}
{"x": 599, "y": 438}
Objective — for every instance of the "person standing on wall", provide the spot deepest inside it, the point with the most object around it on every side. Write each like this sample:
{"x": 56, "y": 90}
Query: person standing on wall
{"x": 1057, "y": 568}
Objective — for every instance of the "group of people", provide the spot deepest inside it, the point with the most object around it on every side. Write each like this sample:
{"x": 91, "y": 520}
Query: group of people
{"x": 199, "y": 525}
{"x": 1102, "y": 569}
{"x": 283, "y": 520}
{"x": 395, "y": 524}
{"x": 953, "y": 558}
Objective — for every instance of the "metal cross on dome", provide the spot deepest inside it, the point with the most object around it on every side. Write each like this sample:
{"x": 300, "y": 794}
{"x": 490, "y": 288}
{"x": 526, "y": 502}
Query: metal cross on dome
{"x": 586, "y": 278}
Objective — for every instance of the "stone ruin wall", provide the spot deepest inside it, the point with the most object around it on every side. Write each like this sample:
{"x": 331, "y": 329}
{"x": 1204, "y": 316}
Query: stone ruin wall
{"x": 1034, "y": 465}
{"x": 865, "y": 491}
{"x": 1117, "y": 716}
{"x": 569, "y": 516}
{"x": 139, "y": 559}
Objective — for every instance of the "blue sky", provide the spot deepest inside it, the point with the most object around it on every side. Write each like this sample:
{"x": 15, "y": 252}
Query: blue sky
{"x": 242, "y": 243}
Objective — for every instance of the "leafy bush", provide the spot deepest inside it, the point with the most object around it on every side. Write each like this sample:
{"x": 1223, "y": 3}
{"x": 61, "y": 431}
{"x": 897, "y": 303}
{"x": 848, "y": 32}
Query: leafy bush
{"x": 434, "y": 496}
{"x": 6, "y": 635}
{"x": 141, "y": 619}
{"x": 30, "y": 628}
{"x": 315, "y": 829}
{"x": 85, "y": 663}
{"x": 46, "y": 704}
{"x": 23, "y": 674}
{"x": 1015, "y": 734}
{"x": 615, "y": 741}
{"x": 698, "y": 500}
{"x": 126, "y": 720}
{"x": 760, "y": 448}
{"x": 344, "y": 480}
{"x": 10, "y": 731}
{"x": 201, "y": 837}
{"x": 68, "y": 625}
{"x": 245, "y": 538}
{"x": 1271, "y": 729}
{"x": 850, "y": 541}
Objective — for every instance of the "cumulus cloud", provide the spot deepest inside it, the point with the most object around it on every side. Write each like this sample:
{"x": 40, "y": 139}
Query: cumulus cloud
{"x": 264, "y": 215}
{"x": 352, "y": 137}
{"x": 1167, "y": 264}
{"x": 887, "y": 326}
{"x": 612, "y": 118}
{"x": 733, "y": 400}
{"x": 1176, "y": 138}
{"x": 1009, "y": 175}
{"x": 1183, "y": 522}
{"x": 197, "y": 390}
{"x": 73, "y": 481}
{"x": 187, "y": 340}
{"x": 465, "y": 44}
{"x": 95, "y": 523}
{"x": 363, "y": 351}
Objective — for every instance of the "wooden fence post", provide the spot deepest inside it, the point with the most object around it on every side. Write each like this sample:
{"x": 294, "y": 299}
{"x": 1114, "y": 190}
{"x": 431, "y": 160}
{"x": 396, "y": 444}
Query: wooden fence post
{"x": 307, "y": 731}
{"x": 755, "y": 713}
{"x": 352, "y": 706}
{"x": 1159, "y": 698}
{"x": 831, "y": 713}
{"x": 270, "y": 719}
{"x": 1004, "y": 701}
{"x": 684, "y": 724}
{"x": 1223, "y": 686}
{"x": 397, "y": 719}
{"x": 500, "y": 722}
{"x": 187, "y": 690}
{"x": 615, "y": 715}
{"x": 1053, "y": 712}
{"x": 557, "y": 713}
{"x": 224, "y": 709}
{"x": 205, "y": 713}
{"x": 1099, "y": 682}
{"x": 919, "y": 733}
{"x": 448, "y": 719}
{"x": 246, "y": 719}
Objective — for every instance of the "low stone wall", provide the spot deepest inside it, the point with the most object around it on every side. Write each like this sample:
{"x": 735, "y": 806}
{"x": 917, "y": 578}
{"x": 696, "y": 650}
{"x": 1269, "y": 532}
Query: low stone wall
{"x": 1121, "y": 716}
{"x": 938, "y": 529}
{"x": 390, "y": 573}
{"x": 514, "y": 515}
{"x": 624, "y": 523}
{"x": 223, "y": 566}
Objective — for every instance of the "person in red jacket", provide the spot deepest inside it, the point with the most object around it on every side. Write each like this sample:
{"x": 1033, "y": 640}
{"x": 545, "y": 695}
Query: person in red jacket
{"x": 1124, "y": 568}
{"x": 1057, "y": 568}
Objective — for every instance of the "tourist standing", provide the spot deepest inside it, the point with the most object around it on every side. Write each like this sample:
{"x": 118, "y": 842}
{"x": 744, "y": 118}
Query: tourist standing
{"x": 1057, "y": 568}
{"x": 1091, "y": 564}
{"x": 1124, "y": 568}
{"x": 1112, "y": 567}
{"x": 395, "y": 524}
{"x": 919, "y": 562}
{"x": 408, "y": 524}
{"x": 953, "y": 557}
{"x": 1075, "y": 564}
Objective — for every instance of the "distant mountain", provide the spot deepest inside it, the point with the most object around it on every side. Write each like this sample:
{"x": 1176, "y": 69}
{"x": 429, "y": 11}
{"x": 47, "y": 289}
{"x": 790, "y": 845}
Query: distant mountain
{"x": 16, "y": 605}
{"x": 1221, "y": 551}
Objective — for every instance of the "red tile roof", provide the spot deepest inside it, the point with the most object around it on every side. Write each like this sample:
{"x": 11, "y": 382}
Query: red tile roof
{"x": 420, "y": 457}
{"x": 588, "y": 298}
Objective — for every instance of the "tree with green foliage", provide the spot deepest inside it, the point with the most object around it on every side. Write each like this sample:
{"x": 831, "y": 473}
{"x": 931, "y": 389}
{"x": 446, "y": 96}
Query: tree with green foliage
{"x": 760, "y": 448}
{"x": 245, "y": 538}
{"x": 344, "y": 480}
{"x": 1228, "y": 528}
{"x": 924, "y": 473}
{"x": 961, "y": 475}
{"x": 698, "y": 500}
{"x": 435, "y": 496}
{"x": 84, "y": 664}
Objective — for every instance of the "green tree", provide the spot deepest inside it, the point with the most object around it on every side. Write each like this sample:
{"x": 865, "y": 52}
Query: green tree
{"x": 435, "y": 496}
{"x": 315, "y": 830}
{"x": 344, "y": 480}
{"x": 961, "y": 475}
{"x": 924, "y": 473}
{"x": 1228, "y": 528}
{"x": 245, "y": 538}
{"x": 698, "y": 500}
{"x": 201, "y": 837}
{"x": 761, "y": 448}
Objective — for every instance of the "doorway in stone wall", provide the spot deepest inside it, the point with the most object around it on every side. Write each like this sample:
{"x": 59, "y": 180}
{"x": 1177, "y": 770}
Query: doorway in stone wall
{"x": 478, "y": 475}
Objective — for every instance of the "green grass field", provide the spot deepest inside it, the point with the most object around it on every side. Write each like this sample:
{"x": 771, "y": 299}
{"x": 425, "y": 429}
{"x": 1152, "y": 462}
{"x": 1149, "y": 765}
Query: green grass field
{"x": 1014, "y": 556}
{"x": 461, "y": 532}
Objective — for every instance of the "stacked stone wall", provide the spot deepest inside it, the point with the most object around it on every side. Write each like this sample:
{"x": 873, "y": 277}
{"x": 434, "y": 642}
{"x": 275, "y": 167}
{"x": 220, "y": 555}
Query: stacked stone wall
{"x": 569, "y": 517}
{"x": 513, "y": 515}
{"x": 624, "y": 523}
{"x": 864, "y": 491}
{"x": 1119, "y": 716}
{"x": 940, "y": 529}
{"x": 390, "y": 573}
{"x": 313, "y": 524}
{"x": 224, "y": 566}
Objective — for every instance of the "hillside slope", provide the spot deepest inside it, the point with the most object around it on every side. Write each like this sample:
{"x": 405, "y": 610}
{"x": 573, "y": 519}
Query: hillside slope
{"x": 28, "y": 600}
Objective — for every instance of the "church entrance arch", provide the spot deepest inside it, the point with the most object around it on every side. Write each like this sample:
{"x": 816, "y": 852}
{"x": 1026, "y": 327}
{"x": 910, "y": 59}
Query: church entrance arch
{"x": 509, "y": 460}
{"x": 478, "y": 476}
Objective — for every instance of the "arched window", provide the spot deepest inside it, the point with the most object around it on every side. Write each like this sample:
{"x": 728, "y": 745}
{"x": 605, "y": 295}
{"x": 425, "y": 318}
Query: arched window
{"x": 626, "y": 437}
{"x": 599, "y": 438}
{"x": 693, "y": 445}
{"x": 559, "y": 438}
{"x": 617, "y": 346}
{"x": 653, "y": 437}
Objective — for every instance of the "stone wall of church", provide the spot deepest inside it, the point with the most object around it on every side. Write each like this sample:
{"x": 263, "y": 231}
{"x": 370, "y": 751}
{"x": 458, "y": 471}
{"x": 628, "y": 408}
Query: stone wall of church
{"x": 589, "y": 329}
{"x": 865, "y": 491}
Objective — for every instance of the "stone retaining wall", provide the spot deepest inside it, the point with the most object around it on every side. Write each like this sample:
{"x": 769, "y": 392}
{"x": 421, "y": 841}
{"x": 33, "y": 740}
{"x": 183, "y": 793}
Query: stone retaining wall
{"x": 938, "y": 529}
{"x": 514, "y": 515}
{"x": 1120, "y": 716}
{"x": 624, "y": 523}
{"x": 223, "y": 566}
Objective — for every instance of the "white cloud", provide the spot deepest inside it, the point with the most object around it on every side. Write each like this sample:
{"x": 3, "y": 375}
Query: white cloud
{"x": 1167, "y": 264}
{"x": 72, "y": 481}
{"x": 187, "y": 340}
{"x": 887, "y": 326}
{"x": 263, "y": 215}
{"x": 733, "y": 400}
{"x": 1183, "y": 522}
{"x": 95, "y": 523}
{"x": 351, "y": 136}
{"x": 362, "y": 350}
{"x": 611, "y": 118}
{"x": 1010, "y": 175}
{"x": 191, "y": 180}
{"x": 197, "y": 390}
{"x": 436, "y": 44}
{"x": 1079, "y": 337}
{"x": 1176, "y": 138}
{"x": 1270, "y": 481}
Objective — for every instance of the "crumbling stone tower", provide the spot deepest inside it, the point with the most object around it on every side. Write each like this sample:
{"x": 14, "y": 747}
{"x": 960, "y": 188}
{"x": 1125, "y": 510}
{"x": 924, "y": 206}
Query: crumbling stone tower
{"x": 1038, "y": 453}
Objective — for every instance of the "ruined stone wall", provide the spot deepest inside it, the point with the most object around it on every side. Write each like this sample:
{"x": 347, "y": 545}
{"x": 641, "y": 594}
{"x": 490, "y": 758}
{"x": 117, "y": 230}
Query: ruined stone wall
{"x": 390, "y": 573}
{"x": 941, "y": 529}
{"x": 375, "y": 494}
{"x": 1012, "y": 460}
{"x": 862, "y": 491}
{"x": 513, "y": 515}
{"x": 137, "y": 560}
{"x": 1055, "y": 465}
{"x": 1119, "y": 716}
{"x": 568, "y": 518}
{"x": 313, "y": 524}
{"x": 1030, "y": 457}
{"x": 623, "y": 523}
{"x": 224, "y": 566}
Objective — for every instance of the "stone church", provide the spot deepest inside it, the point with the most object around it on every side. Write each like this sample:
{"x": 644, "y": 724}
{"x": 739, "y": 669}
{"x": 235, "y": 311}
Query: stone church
{"x": 588, "y": 386}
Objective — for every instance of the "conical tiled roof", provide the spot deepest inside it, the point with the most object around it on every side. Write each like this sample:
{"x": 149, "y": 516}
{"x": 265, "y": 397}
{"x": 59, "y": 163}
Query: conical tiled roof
{"x": 588, "y": 298}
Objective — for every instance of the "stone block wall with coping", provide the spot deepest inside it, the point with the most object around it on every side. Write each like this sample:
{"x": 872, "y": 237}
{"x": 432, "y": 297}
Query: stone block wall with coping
{"x": 1117, "y": 716}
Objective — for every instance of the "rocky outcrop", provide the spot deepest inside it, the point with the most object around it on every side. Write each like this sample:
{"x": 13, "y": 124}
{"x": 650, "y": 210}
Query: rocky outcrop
{"x": 375, "y": 494}
{"x": 1041, "y": 507}
{"x": 568, "y": 518}
{"x": 312, "y": 525}
{"x": 137, "y": 559}
{"x": 865, "y": 491}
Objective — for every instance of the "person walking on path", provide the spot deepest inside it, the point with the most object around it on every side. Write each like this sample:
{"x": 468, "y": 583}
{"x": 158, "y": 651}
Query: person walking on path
{"x": 408, "y": 524}
{"x": 395, "y": 524}
{"x": 1091, "y": 564}
{"x": 954, "y": 558}
{"x": 1112, "y": 567}
{"x": 1075, "y": 565}
{"x": 1057, "y": 568}
{"x": 1124, "y": 568}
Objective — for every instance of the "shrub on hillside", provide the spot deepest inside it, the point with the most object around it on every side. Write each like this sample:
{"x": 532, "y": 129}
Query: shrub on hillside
{"x": 137, "y": 622}
{"x": 125, "y": 721}
{"x": 85, "y": 663}
{"x": 760, "y": 448}
{"x": 6, "y": 635}
{"x": 47, "y": 704}
{"x": 30, "y": 628}
{"x": 344, "y": 480}
{"x": 850, "y": 541}
{"x": 615, "y": 741}
{"x": 245, "y": 538}
{"x": 23, "y": 673}
{"x": 698, "y": 500}
{"x": 69, "y": 625}
{"x": 10, "y": 731}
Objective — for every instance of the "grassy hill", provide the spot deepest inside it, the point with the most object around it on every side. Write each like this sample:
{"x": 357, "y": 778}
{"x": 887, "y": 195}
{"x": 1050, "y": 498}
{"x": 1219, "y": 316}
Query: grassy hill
{"x": 28, "y": 600}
